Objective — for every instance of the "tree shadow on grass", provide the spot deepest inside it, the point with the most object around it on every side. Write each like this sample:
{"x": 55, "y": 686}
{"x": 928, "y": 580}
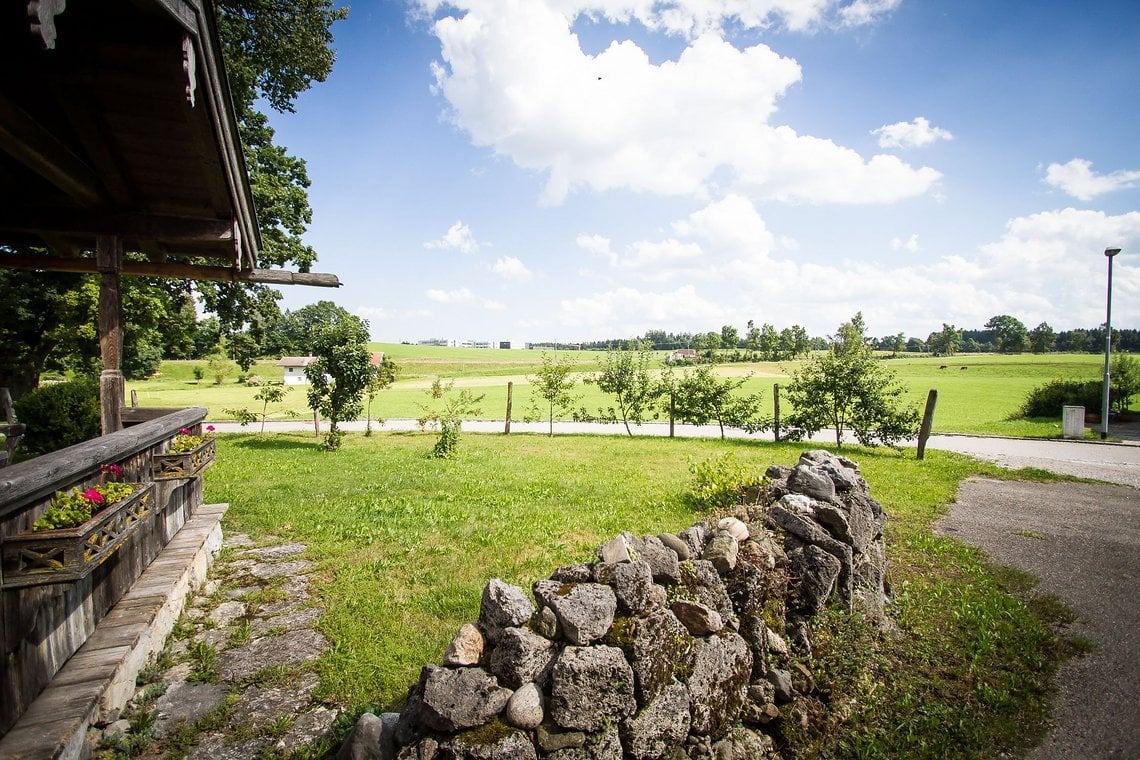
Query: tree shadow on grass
{"x": 275, "y": 443}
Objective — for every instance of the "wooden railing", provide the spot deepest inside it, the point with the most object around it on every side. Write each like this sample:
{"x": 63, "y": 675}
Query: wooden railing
{"x": 46, "y": 613}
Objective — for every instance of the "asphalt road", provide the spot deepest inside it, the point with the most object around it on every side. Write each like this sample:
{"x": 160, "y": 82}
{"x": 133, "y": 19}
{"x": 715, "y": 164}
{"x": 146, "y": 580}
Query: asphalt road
{"x": 1083, "y": 542}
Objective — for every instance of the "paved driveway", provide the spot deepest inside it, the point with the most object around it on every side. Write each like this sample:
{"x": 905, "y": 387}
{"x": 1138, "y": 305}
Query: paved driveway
{"x": 1085, "y": 549}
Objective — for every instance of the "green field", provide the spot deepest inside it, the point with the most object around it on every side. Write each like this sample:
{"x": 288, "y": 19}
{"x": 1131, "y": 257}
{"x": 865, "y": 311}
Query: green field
{"x": 979, "y": 399}
{"x": 403, "y": 545}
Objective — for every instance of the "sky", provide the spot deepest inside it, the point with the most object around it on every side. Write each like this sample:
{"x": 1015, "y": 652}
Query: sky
{"x": 577, "y": 170}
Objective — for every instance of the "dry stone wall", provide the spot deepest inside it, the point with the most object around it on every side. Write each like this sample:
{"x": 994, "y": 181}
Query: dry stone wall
{"x": 676, "y": 646}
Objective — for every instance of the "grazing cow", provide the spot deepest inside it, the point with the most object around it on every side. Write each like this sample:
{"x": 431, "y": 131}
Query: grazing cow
{"x": 965, "y": 367}
{"x": 942, "y": 367}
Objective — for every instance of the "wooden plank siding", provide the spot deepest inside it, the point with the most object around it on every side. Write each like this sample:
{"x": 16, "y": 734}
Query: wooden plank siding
{"x": 42, "y": 626}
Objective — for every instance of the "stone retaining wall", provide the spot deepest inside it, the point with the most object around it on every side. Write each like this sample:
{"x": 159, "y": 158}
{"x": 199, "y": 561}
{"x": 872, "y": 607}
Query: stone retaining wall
{"x": 670, "y": 646}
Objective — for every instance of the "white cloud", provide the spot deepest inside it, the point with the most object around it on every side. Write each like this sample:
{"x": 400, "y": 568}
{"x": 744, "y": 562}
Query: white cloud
{"x": 910, "y": 134}
{"x": 598, "y": 246}
{"x": 1079, "y": 180}
{"x": 629, "y": 311}
{"x": 511, "y": 268}
{"x": 458, "y": 237}
{"x": 462, "y": 295}
{"x": 519, "y": 82}
{"x": 863, "y": 12}
{"x": 910, "y": 244}
{"x": 372, "y": 312}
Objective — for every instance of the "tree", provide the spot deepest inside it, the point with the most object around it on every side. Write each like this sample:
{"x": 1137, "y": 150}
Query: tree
{"x": 340, "y": 373}
{"x": 848, "y": 389}
{"x": 292, "y": 334}
{"x": 729, "y": 337}
{"x": 699, "y": 397}
{"x": 1042, "y": 339}
{"x": 449, "y": 416}
{"x": 270, "y": 393}
{"x": 1010, "y": 335}
{"x": 915, "y": 346}
{"x": 1125, "y": 380}
{"x": 946, "y": 341}
{"x": 769, "y": 343}
{"x": 553, "y": 383}
{"x": 752, "y": 337}
{"x": 383, "y": 375}
{"x": 626, "y": 375}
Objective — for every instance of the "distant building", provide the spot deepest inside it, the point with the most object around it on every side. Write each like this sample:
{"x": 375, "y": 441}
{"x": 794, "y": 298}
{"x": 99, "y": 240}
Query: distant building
{"x": 682, "y": 355}
{"x": 294, "y": 367}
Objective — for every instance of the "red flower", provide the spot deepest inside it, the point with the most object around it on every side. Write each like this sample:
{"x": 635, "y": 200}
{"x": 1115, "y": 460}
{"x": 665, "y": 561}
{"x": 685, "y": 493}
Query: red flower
{"x": 183, "y": 431}
{"x": 94, "y": 496}
{"x": 112, "y": 469}
{"x": 209, "y": 428}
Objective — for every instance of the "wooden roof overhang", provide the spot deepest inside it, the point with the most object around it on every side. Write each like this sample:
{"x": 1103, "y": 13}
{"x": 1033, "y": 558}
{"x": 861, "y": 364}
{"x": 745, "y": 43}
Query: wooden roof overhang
{"x": 116, "y": 121}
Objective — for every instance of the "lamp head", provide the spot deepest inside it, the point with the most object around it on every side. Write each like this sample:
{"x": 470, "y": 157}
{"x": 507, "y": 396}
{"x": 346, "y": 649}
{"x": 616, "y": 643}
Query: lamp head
{"x": 1110, "y": 252}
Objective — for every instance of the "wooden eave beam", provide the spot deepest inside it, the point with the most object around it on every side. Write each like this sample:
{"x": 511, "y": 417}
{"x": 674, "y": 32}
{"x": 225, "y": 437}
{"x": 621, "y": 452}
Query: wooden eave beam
{"x": 175, "y": 269}
{"x": 36, "y": 148}
{"x": 45, "y": 221}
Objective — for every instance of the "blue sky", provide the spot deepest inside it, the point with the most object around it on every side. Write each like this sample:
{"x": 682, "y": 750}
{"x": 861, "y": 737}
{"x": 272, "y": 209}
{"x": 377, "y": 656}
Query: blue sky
{"x": 583, "y": 169}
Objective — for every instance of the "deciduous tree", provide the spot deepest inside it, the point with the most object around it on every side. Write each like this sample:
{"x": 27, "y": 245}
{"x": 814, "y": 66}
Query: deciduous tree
{"x": 1010, "y": 335}
{"x": 552, "y": 383}
{"x": 340, "y": 373}
{"x": 848, "y": 389}
{"x": 628, "y": 377}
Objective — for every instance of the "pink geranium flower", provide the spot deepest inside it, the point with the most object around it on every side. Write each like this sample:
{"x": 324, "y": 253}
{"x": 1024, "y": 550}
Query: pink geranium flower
{"x": 94, "y": 496}
{"x": 209, "y": 428}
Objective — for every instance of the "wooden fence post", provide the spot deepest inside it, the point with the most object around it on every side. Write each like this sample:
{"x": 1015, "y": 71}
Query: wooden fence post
{"x": 109, "y": 257}
{"x": 672, "y": 411}
{"x": 510, "y": 396}
{"x": 927, "y": 422}
{"x": 776, "y": 405}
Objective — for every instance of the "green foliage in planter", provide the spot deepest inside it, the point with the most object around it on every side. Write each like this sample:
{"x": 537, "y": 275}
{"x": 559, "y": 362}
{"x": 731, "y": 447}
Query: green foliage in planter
{"x": 57, "y": 416}
{"x": 73, "y": 507}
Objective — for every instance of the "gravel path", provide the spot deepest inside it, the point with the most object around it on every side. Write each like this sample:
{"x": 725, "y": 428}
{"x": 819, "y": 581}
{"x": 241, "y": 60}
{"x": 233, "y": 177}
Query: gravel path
{"x": 1083, "y": 542}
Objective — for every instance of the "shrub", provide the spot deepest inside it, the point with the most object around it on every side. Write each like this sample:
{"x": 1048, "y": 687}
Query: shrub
{"x": 1125, "y": 380}
{"x": 720, "y": 481}
{"x": 57, "y": 416}
{"x": 1046, "y": 400}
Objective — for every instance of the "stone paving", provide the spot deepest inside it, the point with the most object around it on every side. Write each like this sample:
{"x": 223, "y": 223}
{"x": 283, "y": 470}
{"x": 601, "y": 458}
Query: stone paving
{"x": 237, "y": 676}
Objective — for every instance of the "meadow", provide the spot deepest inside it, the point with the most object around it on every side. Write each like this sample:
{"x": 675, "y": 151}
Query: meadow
{"x": 404, "y": 543}
{"x": 978, "y": 393}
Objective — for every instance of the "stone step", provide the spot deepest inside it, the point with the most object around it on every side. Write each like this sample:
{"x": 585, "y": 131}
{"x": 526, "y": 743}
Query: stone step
{"x": 99, "y": 679}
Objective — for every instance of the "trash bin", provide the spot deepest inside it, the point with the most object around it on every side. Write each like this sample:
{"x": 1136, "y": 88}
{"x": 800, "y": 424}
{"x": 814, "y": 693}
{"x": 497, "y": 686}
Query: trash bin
{"x": 1073, "y": 421}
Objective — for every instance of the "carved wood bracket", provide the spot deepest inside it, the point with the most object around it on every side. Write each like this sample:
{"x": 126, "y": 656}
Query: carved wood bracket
{"x": 43, "y": 13}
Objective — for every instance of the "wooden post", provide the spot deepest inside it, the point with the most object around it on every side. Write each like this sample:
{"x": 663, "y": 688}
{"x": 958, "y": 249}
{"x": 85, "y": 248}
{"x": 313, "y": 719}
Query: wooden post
{"x": 134, "y": 398}
{"x": 672, "y": 411}
{"x": 776, "y": 406}
{"x": 927, "y": 422}
{"x": 109, "y": 258}
{"x": 510, "y": 395}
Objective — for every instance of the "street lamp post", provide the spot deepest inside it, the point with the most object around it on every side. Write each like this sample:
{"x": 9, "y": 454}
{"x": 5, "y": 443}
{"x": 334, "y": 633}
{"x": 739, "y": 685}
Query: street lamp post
{"x": 1110, "y": 253}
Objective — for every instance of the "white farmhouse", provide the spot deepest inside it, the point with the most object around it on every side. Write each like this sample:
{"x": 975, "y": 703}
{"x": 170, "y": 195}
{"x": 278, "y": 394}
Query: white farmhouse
{"x": 294, "y": 368}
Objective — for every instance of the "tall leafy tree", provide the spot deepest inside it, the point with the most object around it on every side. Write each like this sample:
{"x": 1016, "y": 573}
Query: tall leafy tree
{"x": 1010, "y": 335}
{"x": 847, "y": 389}
{"x": 340, "y": 374}
{"x": 1042, "y": 339}
{"x": 946, "y": 341}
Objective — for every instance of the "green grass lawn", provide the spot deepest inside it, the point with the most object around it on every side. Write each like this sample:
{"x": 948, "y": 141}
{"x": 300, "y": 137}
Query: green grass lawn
{"x": 980, "y": 399}
{"x": 404, "y": 544}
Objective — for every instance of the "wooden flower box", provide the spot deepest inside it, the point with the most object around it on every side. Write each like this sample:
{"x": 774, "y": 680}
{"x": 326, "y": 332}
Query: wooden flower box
{"x": 35, "y": 557}
{"x": 188, "y": 464}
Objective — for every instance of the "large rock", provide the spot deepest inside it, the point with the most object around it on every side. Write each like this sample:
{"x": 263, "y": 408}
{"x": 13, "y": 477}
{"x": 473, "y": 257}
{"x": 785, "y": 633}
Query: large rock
{"x": 632, "y": 583}
{"x": 719, "y": 683}
{"x": 590, "y": 687}
{"x": 808, "y": 531}
{"x": 521, "y": 656}
{"x": 662, "y": 559}
{"x": 701, "y": 582}
{"x": 722, "y": 551}
{"x": 817, "y": 571}
{"x": 585, "y": 611}
{"x": 695, "y": 538}
{"x": 657, "y": 647}
{"x": 503, "y": 606}
{"x": 681, "y": 548}
{"x": 698, "y": 619}
{"x": 454, "y": 700}
{"x": 466, "y": 648}
{"x": 809, "y": 481}
{"x": 624, "y": 547}
{"x": 604, "y": 745}
{"x": 524, "y": 710}
{"x": 664, "y": 723}
{"x": 745, "y": 744}
{"x": 498, "y": 742}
